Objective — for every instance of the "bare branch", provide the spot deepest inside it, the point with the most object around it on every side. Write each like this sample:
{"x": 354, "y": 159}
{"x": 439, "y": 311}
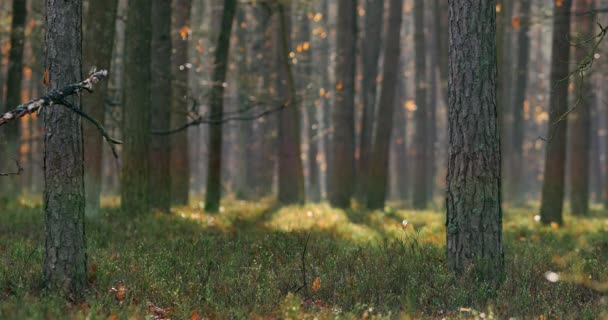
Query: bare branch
{"x": 16, "y": 173}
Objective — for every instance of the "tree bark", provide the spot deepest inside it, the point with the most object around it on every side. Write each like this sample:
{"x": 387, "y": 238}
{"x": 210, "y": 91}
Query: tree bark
{"x": 378, "y": 178}
{"x": 137, "y": 114}
{"x": 555, "y": 158}
{"x": 421, "y": 138}
{"x": 519, "y": 97}
{"x": 216, "y": 100}
{"x": 10, "y": 185}
{"x": 342, "y": 162}
{"x": 180, "y": 104}
{"x": 371, "y": 44}
{"x": 98, "y": 47}
{"x": 474, "y": 215}
{"x": 65, "y": 263}
{"x": 160, "y": 68}
{"x": 290, "y": 168}
{"x": 580, "y": 118}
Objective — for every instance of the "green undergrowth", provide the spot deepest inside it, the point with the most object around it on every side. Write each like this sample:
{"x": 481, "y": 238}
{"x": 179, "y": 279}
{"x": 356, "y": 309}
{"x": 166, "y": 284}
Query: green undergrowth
{"x": 255, "y": 260}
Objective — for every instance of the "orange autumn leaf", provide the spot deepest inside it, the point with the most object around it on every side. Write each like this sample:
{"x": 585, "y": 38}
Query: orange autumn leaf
{"x": 515, "y": 22}
{"x": 194, "y": 315}
{"x": 184, "y": 31}
{"x": 316, "y": 285}
{"x": 554, "y": 225}
{"x": 339, "y": 85}
{"x": 559, "y": 3}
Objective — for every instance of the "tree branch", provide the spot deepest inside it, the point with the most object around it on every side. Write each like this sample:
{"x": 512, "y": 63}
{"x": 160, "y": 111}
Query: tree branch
{"x": 16, "y": 173}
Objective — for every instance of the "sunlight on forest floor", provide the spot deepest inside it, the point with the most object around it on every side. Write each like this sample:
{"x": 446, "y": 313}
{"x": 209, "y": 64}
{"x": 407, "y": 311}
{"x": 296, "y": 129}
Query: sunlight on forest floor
{"x": 246, "y": 262}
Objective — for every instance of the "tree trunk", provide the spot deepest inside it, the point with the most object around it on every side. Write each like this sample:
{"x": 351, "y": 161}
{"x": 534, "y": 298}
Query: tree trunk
{"x": 474, "y": 215}
{"x": 180, "y": 104}
{"x": 160, "y": 68}
{"x": 421, "y": 139}
{"x": 98, "y": 47}
{"x": 342, "y": 169}
{"x": 290, "y": 170}
{"x": 580, "y": 118}
{"x": 136, "y": 167}
{"x": 371, "y": 44}
{"x": 10, "y": 185}
{"x": 519, "y": 97}
{"x": 378, "y": 178}
{"x": 555, "y": 158}
{"x": 65, "y": 263}
{"x": 216, "y": 101}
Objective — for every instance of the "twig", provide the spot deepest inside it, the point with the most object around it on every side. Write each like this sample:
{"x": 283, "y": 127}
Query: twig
{"x": 16, "y": 173}
{"x": 303, "y": 266}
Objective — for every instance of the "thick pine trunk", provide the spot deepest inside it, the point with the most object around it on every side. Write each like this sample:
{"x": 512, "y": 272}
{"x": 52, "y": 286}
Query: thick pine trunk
{"x": 519, "y": 97}
{"x": 160, "y": 148}
{"x": 580, "y": 118}
{"x": 555, "y": 158}
{"x": 10, "y": 185}
{"x": 474, "y": 215}
{"x": 65, "y": 263}
{"x": 290, "y": 168}
{"x": 98, "y": 46}
{"x": 180, "y": 104}
{"x": 378, "y": 178}
{"x": 342, "y": 162}
{"x": 371, "y": 44}
{"x": 136, "y": 167}
{"x": 216, "y": 101}
{"x": 421, "y": 139}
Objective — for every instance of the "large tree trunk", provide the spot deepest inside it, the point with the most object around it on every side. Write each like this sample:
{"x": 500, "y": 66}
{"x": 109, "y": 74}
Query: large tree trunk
{"x": 370, "y": 47}
{"x": 10, "y": 185}
{"x": 421, "y": 116}
{"x": 160, "y": 68}
{"x": 65, "y": 263}
{"x": 216, "y": 101}
{"x": 290, "y": 169}
{"x": 180, "y": 104}
{"x": 135, "y": 171}
{"x": 378, "y": 178}
{"x": 580, "y": 118}
{"x": 519, "y": 97}
{"x": 98, "y": 46}
{"x": 474, "y": 215}
{"x": 342, "y": 169}
{"x": 555, "y": 158}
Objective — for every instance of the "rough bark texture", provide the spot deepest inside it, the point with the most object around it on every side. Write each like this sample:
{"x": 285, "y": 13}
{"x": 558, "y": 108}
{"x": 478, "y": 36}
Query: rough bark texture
{"x": 180, "y": 164}
{"x": 555, "y": 158}
{"x": 580, "y": 118}
{"x": 474, "y": 216}
{"x": 519, "y": 97}
{"x": 98, "y": 46}
{"x": 136, "y": 167}
{"x": 65, "y": 263}
{"x": 10, "y": 185}
{"x": 421, "y": 139}
{"x": 290, "y": 168}
{"x": 378, "y": 177}
{"x": 370, "y": 47}
{"x": 342, "y": 162}
{"x": 216, "y": 101}
{"x": 160, "y": 148}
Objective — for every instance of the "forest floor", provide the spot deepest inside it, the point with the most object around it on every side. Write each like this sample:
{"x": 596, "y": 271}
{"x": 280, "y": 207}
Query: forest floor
{"x": 254, "y": 260}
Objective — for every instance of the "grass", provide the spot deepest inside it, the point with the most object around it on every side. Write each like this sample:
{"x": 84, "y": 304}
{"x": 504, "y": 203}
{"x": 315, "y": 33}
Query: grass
{"x": 246, "y": 262}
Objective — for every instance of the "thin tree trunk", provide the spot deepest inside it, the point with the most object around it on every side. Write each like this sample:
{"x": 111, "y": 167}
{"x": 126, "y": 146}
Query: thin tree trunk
{"x": 555, "y": 158}
{"x": 10, "y": 185}
{"x": 474, "y": 215}
{"x": 421, "y": 139}
{"x": 160, "y": 148}
{"x": 580, "y": 118}
{"x": 378, "y": 178}
{"x": 216, "y": 100}
{"x": 371, "y": 44}
{"x": 505, "y": 85}
{"x": 98, "y": 47}
{"x": 180, "y": 104}
{"x": 65, "y": 262}
{"x": 137, "y": 114}
{"x": 342, "y": 168}
{"x": 519, "y": 97}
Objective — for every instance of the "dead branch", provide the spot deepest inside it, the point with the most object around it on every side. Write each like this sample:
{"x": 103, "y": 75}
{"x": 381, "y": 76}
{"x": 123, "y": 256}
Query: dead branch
{"x": 15, "y": 173}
